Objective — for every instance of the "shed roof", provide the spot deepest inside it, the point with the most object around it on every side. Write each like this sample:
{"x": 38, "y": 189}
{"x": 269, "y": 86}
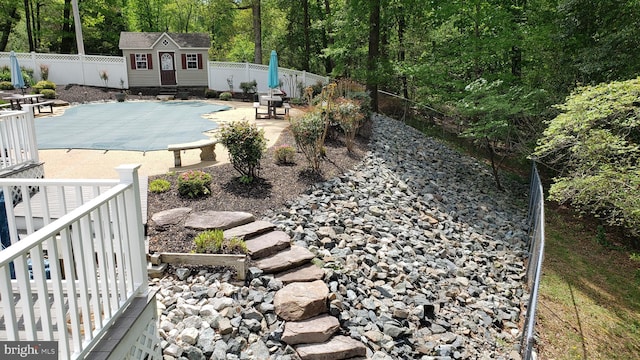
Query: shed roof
{"x": 146, "y": 40}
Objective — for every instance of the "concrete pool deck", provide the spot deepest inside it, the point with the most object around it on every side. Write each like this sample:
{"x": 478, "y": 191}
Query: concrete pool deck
{"x": 101, "y": 164}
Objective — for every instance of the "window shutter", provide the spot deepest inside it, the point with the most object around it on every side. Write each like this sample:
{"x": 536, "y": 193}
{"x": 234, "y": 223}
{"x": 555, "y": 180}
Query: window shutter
{"x": 133, "y": 61}
{"x": 200, "y": 61}
{"x": 184, "y": 61}
{"x": 149, "y": 61}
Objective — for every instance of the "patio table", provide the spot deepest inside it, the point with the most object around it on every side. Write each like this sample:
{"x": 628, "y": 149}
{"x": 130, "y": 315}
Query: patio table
{"x": 18, "y": 100}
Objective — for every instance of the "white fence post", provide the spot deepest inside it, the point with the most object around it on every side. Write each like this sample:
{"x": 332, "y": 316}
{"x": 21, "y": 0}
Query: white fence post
{"x": 129, "y": 175}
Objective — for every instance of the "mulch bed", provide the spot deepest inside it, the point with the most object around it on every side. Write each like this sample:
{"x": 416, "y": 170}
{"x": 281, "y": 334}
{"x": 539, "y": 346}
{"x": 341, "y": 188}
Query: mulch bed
{"x": 276, "y": 185}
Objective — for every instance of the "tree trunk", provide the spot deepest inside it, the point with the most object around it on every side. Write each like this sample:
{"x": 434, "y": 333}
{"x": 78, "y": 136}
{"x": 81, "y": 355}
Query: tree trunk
{"x": 27, "y": 17}
{"x": 494, "y": 166}
{"x": 37, "y": 25}
{"x": 374, "y": 52}
{"x": 257, "y": 32}
{"x": 307, "y": 38}
{"x": 326, "y": 35}
{"x": 7, "y": 25}
{"x": 67, "y": 35}
{"x": 401, "y": 53}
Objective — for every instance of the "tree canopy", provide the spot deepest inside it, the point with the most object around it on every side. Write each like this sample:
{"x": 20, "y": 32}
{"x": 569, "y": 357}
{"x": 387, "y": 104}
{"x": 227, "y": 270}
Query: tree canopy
{"x": 594, "y": 144}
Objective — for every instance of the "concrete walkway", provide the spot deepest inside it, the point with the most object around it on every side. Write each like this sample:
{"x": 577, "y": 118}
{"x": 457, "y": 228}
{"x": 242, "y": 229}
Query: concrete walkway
{"x": 100, "y": 164}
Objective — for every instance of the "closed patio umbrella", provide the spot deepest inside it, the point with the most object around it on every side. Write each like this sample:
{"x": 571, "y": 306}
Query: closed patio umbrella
{"x": 274, "y": 82}
{"x": 16, "y": 74}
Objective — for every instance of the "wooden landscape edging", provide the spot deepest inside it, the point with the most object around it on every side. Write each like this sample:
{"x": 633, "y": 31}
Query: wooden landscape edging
{"x": 238, "y": 262}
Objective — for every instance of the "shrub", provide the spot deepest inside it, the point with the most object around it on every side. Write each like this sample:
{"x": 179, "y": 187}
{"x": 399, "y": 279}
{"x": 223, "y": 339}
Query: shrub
{"x": 210, "y": 94}
{"x": 209, "y": 242}
{"x": 226, "y": 96}
{"x": 159, "y": 186}
{"x": 308, "y": 131}
{"x": 44, "y": 71}
{"x": 348, "y": 116}
{"x": 6, "y": 85}
{"x": 213, "y": 242}
{"x": 48, "y": 93}
{"x": 246, "y": 144}
{"x": 248, "y": 87}
{"x": 44, "y": 84}
{"x": 284, "y": 154}
{"x": 194, "y": 184}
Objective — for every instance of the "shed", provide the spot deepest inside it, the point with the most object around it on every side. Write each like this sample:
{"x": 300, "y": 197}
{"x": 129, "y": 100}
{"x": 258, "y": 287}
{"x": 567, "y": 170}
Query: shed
{"x": 166, "y": 59}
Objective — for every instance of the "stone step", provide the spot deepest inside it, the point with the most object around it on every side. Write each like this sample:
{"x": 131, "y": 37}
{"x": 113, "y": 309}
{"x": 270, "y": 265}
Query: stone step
{"x": 267, "y": 244}
{"x": 337, "y": 348}
{"x": 249, "y": 230}
{"x": 209, "y": 219}
{"x": 315, "y": 330}
{"x": 304, "y": 273}
{"x": 301, "y": 301}
{"x": 285, "y": 260}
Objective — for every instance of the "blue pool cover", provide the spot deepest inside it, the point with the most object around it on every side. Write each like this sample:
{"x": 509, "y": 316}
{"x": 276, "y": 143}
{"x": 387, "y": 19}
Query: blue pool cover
{"x": 129, "y": 125}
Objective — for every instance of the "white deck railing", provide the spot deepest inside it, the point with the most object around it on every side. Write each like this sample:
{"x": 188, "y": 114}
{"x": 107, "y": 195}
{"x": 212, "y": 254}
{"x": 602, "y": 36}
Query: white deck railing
{"x": 17, "y": 139}
{"x": 70, "y": 279}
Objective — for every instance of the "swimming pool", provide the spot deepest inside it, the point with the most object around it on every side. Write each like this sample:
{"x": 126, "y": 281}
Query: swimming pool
{"x": 129, "y": 125}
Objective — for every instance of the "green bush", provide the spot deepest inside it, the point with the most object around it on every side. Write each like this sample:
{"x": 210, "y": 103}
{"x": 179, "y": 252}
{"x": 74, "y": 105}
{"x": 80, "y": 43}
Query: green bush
{"x": 159, "y": 186}
{"x": 209, "y": 242}
{"x": 246, "y": 144}
{"x": 226, "y": 96}
{"x": 308, "y": 131}
{"x": 6, "y": 85}
{"x": 349, "y": 117}
{"x": 44, "y": 84}
{"x": 284, "y": 154}
{"x": 248, "y": 87}
{"x": 213, "y": 242}
{"x": 48, "y": 93}
{"x": 210, "y": 94}
{"x": 194, "y": 184}
{"x": 234, "y": 246}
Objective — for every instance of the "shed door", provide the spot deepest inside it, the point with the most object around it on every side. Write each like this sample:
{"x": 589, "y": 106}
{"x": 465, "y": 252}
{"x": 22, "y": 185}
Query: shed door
{"x": 167, "y": 69}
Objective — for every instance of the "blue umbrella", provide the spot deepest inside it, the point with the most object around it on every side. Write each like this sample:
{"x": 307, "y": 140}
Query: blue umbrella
{"x": 274, "y": 82}
{"x": 16, "y": 74}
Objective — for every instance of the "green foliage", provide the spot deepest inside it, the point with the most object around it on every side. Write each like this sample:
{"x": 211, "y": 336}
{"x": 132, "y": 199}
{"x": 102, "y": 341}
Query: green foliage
{"x": 347, "y": 114}
{"x": 44, "y": 84}
{"x": 249, "y": 87}
{"x": 209, "y": 241}
{"x": 284, "y": 154}
{"x": 6, "y": 85}
{"x": 159, "y": 186}
{"x": 594, "y": 144}
{"x": 246, "y": 144}
{"x": 210, "y": 94}
{"x": 213, "y": 242}
{"x": 495, "y": 113}
{"x": 48, "y": 93}
{"x": 226, "y": 96}
{"x": 194, "y": 184}
{"x": 308, "y": 131}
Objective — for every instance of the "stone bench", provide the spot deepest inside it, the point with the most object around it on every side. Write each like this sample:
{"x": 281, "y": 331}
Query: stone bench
{"x": 207, "y": 150}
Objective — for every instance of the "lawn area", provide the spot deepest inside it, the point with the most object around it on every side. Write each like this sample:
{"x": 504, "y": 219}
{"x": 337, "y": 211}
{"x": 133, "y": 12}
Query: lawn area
{"x": 589, "y": 304}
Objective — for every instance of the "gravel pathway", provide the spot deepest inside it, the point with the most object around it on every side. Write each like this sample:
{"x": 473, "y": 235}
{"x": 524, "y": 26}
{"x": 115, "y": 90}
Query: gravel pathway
{"x": 424, "y": 260}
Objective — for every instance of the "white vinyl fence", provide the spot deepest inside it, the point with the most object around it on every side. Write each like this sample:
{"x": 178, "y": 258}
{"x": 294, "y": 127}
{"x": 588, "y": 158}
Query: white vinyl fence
{"x": 71, "y": 276}
{"x": 223, "y": 76}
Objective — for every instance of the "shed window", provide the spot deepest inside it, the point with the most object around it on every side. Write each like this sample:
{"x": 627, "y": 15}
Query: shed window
{"x": 141, "y": 61}
{"x": 192, "y": 61}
